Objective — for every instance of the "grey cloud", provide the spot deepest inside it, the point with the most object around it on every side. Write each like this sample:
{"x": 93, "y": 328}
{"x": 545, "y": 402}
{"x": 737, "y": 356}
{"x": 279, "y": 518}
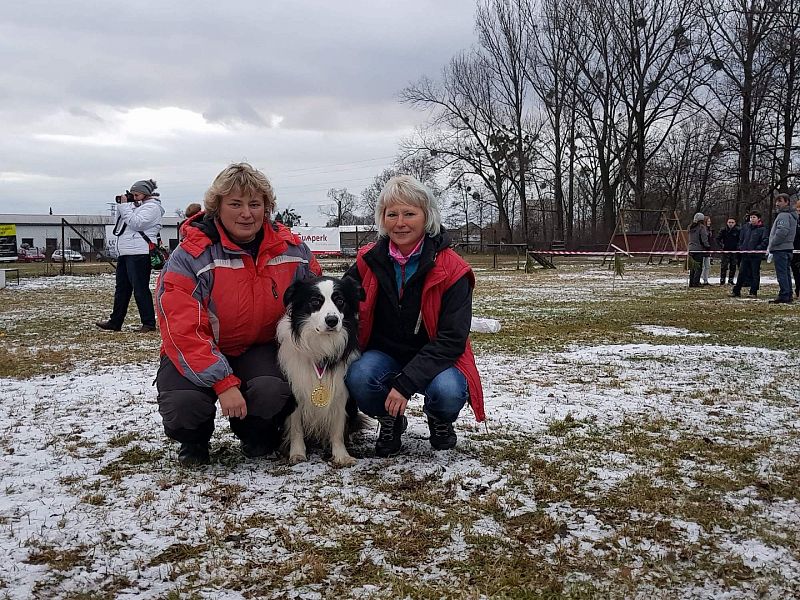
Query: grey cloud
{"x": 331, "y": 70}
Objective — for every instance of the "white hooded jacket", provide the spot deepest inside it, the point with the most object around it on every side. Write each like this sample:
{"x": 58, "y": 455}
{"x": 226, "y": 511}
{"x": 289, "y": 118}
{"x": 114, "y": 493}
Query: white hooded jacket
{"x": 131, "y": 220}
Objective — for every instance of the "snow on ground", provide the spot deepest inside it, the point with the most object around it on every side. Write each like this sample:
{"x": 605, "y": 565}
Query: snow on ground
{"x": 668, "y": 331}
{"x": 59, "y": 430}
{"x": 74, "y": 444}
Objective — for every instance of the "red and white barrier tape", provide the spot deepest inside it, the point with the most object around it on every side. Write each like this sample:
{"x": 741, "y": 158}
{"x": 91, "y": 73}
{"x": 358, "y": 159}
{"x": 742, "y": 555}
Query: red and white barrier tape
{"x": 644, "y": 253}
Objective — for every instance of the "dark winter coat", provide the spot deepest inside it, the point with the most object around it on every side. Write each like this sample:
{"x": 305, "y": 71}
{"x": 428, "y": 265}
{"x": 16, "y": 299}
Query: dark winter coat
{"x": 753, "y": 237}
{"x": 698, "y": 238}
{"x": 427, "y": 331}
{"x": 728, "y": 238}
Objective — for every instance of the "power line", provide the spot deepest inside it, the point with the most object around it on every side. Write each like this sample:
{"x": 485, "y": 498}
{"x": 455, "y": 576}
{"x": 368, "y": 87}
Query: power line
{"x": 354, "y": 168}
{"x": 278, "y": 188}
{"x": 339, "y": 164}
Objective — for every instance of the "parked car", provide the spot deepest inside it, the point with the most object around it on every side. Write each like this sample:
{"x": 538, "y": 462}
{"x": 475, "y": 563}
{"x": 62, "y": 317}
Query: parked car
{"x": 69, "y": 256}
{"x": 30, "y": 255}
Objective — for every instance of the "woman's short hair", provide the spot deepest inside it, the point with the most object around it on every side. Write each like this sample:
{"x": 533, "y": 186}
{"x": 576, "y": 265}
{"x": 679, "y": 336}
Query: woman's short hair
{"x": 241, "y": 178}
{"x": 192, "y": 210}
{"x": 405, "y": 189}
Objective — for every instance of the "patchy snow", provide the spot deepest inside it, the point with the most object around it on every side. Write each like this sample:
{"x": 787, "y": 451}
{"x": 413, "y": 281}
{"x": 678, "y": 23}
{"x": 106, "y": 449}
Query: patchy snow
{"x": 70, "y": 480}
{"x": 668, "y": 331}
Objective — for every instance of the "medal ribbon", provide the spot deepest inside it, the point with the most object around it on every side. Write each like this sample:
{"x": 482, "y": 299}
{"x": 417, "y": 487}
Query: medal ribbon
{"x": 320, "y": 370}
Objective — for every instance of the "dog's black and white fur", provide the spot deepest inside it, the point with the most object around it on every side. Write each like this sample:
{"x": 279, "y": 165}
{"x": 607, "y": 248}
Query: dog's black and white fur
{"x": 320, "y": 328}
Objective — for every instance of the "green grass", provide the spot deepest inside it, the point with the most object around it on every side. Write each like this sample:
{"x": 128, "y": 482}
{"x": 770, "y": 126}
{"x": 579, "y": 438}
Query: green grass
{"x": 513, "y": 513}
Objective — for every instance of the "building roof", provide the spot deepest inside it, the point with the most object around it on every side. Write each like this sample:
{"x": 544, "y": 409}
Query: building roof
{"x": 13, "y": 219}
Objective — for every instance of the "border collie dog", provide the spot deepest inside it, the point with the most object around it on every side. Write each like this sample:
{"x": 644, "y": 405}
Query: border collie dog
{"x": 318, "y": 339}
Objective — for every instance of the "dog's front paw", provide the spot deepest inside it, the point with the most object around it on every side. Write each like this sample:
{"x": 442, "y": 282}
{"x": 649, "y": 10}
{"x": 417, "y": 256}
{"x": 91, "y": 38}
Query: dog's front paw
{"x": 343, "y": 461}
{"x": 297, "y": 458}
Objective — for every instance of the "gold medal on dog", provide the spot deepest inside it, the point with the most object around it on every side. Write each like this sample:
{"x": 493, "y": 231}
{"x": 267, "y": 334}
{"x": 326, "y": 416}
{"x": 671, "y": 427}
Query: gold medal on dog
{"x": 321, "y": 396}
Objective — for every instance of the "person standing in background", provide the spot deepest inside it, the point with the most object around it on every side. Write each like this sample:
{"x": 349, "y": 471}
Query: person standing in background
{"x": 698, "y": 247}
{"x": 190, "y": 211}
{"x": 728, "y": 241}
{"x": 138, "y": 223}
{"x": 781, "y": 245}
{"x": 752, "y": 241}
{"x": 707, "y": 258}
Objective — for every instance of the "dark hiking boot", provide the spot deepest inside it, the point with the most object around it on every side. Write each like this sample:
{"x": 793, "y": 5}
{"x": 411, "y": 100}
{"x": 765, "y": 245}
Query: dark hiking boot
{"x": 256, "y": 449}
{"x": 753, "y": 294}
{"x": 722, "y": 282}
{"x": 193, "y": 454}
{"x": 731, "y": 282}
{"x": 389, "y": 437}
{"x": 780, "y": 301}
{"x": 146, "y": 329}
{"x": 107, "y": 326}
{"x": 443, "y": 436}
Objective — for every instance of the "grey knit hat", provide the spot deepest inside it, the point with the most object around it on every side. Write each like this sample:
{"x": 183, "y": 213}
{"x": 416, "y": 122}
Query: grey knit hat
{"x": 697, "y": 216}
{"x": 145, "y": 186}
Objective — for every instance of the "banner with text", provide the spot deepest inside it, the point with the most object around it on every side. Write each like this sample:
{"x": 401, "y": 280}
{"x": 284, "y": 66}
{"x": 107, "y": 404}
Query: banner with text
{"x": 8, "y": 242}
{"x": 111, "y": 242}
{"x": 320, "y": 239}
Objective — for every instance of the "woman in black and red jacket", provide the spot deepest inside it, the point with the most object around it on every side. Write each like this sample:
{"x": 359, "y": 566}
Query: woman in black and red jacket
{"x": 414, "y": 323}
{"x": 219, "y": 299}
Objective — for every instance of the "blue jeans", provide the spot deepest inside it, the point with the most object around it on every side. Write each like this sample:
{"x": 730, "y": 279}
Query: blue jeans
{"x": 781, "y": 259}
{"x": 369, "y": 381}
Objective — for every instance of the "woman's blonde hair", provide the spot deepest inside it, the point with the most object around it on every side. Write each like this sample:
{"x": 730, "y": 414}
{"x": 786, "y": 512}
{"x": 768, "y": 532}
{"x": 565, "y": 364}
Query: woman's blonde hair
{"x": 405, "y": 189}
{"x": 242, "y": 178}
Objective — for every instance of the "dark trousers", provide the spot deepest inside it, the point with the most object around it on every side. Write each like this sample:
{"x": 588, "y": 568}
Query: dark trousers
{"x": 796, "y": 273}
{"x": 749, "y": 273}
{"x": 729, "y": 264}
{"x": 695, "y": 268}
{"x": 133, "y": 277}
{"x": 782, "y": 259}
{"x": 188, "y": 411}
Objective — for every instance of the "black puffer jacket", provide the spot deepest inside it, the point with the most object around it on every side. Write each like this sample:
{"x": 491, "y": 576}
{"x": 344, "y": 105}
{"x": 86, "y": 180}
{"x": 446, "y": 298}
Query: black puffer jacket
{"x": 753, "y": 237}
{"x": 728, "y": 238}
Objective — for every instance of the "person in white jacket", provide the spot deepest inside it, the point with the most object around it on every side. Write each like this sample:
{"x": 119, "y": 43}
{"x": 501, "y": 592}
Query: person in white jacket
{"x": 138, "y": 215}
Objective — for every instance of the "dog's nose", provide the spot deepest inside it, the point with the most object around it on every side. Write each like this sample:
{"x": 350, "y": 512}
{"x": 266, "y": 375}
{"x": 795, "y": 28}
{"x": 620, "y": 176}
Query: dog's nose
{"x": 331, "y": 320}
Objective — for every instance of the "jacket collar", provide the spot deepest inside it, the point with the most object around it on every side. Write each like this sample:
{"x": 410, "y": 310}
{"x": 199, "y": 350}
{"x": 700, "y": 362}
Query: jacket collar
{"x": 203, "y": 231}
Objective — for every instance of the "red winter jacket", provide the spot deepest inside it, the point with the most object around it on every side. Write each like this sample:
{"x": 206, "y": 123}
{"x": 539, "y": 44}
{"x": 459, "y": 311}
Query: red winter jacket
{"x": 214, "y": 300}
{"x": 447, "y": 269}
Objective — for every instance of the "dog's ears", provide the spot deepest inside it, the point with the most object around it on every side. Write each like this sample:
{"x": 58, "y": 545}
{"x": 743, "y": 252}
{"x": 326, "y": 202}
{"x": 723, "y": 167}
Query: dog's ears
{"x": 355, "y": 288}
{"x": 289, "y": 294}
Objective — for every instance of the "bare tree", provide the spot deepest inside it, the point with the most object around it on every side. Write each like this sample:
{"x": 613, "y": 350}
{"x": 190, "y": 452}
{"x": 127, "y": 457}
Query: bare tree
{"x": 742, "y": 69}
{"x": 552, "y": 72}
{"x": 466, "y": 128}
{"x": 656, "y": 43}
{"x": 785, "y": 44}
{"x": 503, "y": 34}
{"x": 419, "y": 165}
{"x": 341, "y": 212}
{"x": 601, "y": 108}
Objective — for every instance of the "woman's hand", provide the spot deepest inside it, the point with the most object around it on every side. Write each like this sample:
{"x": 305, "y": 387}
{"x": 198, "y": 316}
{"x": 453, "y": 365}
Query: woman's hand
{"x": 396, "y": 403}
{"x": 232, "y": 403}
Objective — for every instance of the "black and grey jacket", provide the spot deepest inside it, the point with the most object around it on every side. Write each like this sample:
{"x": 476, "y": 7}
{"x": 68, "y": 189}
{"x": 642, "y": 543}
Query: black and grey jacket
{"x": 396, "y": 330}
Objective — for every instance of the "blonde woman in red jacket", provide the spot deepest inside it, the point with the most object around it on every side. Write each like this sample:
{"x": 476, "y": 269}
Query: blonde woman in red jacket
{"x": 415, "y": 321}
{"x": 219, "y": 299}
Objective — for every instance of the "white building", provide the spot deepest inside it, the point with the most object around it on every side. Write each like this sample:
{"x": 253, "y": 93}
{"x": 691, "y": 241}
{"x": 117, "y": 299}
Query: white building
{"x": 46, "y": 231}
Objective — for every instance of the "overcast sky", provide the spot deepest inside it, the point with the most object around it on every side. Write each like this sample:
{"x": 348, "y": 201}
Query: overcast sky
{"x": 95, "y": 95}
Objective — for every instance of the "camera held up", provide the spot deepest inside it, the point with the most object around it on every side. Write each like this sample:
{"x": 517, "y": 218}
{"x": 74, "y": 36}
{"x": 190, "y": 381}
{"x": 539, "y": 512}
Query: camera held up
{"x": 128, "y": 197}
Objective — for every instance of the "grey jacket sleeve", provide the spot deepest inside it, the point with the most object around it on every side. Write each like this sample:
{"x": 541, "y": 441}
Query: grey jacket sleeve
{"x": 704, "y": 238}
{"x": 782, "y": 234}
